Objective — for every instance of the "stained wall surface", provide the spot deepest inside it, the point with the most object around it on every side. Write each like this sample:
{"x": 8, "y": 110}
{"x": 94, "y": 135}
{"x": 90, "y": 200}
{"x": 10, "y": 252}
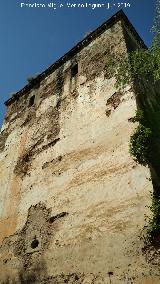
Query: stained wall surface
{"x": 73, "y": 203}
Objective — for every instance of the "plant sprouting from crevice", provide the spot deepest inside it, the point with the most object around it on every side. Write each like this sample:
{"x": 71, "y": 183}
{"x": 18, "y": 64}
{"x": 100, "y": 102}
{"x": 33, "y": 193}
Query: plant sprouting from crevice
{"x": 139, "y": 146}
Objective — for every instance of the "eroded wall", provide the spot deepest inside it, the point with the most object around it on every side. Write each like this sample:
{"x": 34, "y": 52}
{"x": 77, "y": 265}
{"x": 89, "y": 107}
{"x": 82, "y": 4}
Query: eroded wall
{"x": 73, "y": 201}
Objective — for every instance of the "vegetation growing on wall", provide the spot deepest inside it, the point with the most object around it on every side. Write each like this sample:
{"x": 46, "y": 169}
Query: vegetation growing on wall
{"x": 33, "y": 80}
{"x": 141, "y": 69}
{"x": 154, "y": 222}
{"x": 140, "y": 144}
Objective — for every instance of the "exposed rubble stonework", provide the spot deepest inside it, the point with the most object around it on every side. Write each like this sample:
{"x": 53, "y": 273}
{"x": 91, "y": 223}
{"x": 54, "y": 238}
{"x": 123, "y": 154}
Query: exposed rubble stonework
{"x": 73, "y": 203}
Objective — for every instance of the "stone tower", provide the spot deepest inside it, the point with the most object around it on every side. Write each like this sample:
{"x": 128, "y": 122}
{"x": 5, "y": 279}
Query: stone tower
{"x": 72, "y": 200}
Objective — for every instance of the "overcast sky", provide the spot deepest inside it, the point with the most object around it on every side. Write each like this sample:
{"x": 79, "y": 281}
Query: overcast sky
{"x": 33, "y": 38}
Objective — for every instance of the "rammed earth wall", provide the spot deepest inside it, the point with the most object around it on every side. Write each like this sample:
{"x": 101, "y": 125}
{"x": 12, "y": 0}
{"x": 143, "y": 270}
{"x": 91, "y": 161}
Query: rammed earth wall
{"x": 73, "y": 202}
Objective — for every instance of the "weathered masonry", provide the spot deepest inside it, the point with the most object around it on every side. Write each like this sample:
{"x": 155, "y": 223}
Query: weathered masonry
{"x": 73, "y": 202}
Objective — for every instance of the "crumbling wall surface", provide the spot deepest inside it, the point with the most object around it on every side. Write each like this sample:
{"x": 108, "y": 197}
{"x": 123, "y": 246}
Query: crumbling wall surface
{"x": 74, "y": 200}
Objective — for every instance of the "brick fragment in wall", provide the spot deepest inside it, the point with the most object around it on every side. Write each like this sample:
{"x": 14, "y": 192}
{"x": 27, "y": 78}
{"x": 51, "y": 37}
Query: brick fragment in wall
{"x": 113, "y": 102}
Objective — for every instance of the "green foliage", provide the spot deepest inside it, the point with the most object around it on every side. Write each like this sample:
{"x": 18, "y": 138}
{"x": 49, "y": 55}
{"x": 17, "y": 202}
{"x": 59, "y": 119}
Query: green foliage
{"x": 156, "y": 22}
{"x": 139, "y": 64}
{"x": 154, "y": 222}
{"x": 140, "y": 116}
{"x": 142, "y": 68}
{"x": 110, "y": 65}
{"x": 139, "y": 146}
{"x": 30, "y": 79}
{"x": 12, "y": 94}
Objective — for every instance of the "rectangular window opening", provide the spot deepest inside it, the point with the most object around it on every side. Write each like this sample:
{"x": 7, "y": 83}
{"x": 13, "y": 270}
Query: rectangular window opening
{"x": 31, "y": 101}
{"x": 74, "y": 70}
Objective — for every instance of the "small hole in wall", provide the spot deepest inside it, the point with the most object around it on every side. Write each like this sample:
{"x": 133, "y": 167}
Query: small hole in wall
{"x": 108, "y": 112}
{"x": 110, "y": 273}
{"x": 52, "y": 219}
{"x": 34, "y": 244}
{"x": 31, "y": 101}
{"x": 59, "y": 158}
